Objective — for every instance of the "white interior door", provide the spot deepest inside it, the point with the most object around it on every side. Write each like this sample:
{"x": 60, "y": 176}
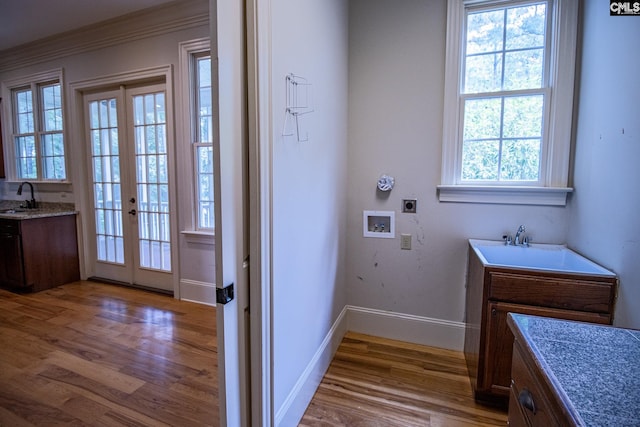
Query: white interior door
{"x": 131, "y": 190}
{"x": 230, "y": 178}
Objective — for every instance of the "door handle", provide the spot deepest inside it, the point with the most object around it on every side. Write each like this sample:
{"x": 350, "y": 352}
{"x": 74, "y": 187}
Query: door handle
{"x": 133, "y": 212}
{"x": 132, "y": 200}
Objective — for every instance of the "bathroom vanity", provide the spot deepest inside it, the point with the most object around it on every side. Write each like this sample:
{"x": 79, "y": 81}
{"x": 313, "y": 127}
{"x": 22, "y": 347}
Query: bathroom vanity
{"x": 542, "y": 280}
{"x": 38, "y": 249}
{"x": 573, "y": 374}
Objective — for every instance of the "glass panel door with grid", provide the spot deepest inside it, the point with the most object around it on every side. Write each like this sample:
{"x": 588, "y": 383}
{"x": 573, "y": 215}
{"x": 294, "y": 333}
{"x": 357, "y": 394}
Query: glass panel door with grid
{"x": 130, "y": 185}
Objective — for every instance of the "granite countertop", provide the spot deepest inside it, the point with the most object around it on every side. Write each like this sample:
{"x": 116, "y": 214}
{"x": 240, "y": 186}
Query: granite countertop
{"x": 595, "y": 368}
{"x": 11, "y": 209}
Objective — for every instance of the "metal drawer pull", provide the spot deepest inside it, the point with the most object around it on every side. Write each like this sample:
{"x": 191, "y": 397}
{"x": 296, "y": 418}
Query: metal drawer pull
{"x": 526, "y": 399}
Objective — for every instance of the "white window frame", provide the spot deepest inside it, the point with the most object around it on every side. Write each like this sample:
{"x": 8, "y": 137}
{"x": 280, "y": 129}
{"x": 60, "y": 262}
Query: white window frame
{"x": 554, "y": 173}
{"x": 189, "y": 51}
{"x": 34, "y": 82}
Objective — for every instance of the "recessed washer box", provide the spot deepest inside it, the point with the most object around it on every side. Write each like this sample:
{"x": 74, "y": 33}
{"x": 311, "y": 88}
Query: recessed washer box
{"x": 381, "y": 224}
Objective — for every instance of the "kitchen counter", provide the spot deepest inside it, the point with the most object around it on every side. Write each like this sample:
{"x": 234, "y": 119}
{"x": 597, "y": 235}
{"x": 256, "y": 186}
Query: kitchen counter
{"x": 593, "y": 371}
{"x": 11, "y": 209}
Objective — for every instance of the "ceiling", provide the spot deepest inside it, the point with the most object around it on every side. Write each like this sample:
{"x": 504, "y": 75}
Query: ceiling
{"x": 23, "y": 21}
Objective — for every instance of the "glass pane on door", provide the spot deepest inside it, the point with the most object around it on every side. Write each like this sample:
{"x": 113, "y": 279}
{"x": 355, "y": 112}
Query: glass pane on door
{"x": 149, "y": 118}
{"x": 103, "y": 124}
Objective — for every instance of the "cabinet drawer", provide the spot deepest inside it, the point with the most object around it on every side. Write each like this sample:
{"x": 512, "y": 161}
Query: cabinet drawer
{"x": 8, "y": 226}
{"x": 527, "y": 398}
{"x": 568, "y": 294}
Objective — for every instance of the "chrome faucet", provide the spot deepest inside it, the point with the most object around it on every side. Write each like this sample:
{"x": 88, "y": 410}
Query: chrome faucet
{"x": 521, "y": 230}
{"x": 31, "y": 204}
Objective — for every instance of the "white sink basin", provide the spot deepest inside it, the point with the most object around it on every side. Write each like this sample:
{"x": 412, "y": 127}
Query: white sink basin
{"x": 537, "y": 256}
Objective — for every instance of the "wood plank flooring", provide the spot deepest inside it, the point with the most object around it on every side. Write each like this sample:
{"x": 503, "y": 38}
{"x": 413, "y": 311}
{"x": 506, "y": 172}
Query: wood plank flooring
{"x": 101, "y": 355}
{"x": 378, "y": 382}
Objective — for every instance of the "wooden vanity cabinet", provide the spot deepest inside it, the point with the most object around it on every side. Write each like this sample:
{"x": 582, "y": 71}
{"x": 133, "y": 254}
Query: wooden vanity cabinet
{"x": 492, "y": 292}
{"x": 38, "y": 253}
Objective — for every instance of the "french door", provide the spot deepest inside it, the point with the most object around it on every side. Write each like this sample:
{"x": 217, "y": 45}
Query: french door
{"x": 131, "y": 190}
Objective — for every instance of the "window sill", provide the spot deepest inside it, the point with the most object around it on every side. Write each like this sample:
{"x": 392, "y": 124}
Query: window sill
{"x": 201, "y": 237}
{"x": 542, "y": 196}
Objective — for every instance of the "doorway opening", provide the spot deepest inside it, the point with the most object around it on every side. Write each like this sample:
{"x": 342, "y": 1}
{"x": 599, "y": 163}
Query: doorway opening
{"x": 129, "y": 166}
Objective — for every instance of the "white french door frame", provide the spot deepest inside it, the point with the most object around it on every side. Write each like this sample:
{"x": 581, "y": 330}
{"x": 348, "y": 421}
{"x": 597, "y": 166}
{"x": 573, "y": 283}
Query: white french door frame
{"x": 82, "y": 174}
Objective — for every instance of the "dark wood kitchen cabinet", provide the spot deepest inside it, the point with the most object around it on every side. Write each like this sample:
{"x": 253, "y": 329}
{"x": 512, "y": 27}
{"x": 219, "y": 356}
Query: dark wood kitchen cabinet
{"x": 2, "y": 174}
{"x": 38, "y": 253}
{"x": 493, "y": 292}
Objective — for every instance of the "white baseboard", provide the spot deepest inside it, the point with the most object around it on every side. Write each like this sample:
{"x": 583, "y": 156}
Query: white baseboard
{"x": 406, "y": 327}
{"x": 200, "y": 292}
{"x": 293, "y": 408}
{"x": 386, "y": 324}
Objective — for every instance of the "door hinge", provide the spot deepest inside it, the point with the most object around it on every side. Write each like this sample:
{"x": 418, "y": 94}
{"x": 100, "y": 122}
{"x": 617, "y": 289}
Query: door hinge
{"x": 224, "y": 295}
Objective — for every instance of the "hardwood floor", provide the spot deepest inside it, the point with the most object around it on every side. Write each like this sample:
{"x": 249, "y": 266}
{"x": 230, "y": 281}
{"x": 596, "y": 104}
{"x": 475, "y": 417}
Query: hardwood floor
{"x": 101, "y": 355}
{"x": 378, "y": 382}
{"x": 93, "y": 354}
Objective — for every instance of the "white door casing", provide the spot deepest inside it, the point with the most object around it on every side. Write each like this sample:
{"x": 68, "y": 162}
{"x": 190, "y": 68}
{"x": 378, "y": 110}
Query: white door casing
{"x": 230, "y": 178}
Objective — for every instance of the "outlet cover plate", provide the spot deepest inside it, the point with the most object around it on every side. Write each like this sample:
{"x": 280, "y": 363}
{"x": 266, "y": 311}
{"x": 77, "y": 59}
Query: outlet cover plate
{"x": 409, "y": 205}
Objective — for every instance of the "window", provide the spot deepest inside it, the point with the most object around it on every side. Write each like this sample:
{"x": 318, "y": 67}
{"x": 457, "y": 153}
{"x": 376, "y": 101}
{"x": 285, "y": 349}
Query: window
{"x": 200, "y": 115}
{"x": 508, "y": 101}
{"x": 203, "y": 142}
{"x": 38, "y": 131}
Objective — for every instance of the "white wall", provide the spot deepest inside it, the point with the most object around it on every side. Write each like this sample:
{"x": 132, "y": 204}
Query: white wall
{"x": 396, "y": 79}
{"x": 106, "y": 52}
{"x": 605, "y": 209}
{"x": 309, "y": 39}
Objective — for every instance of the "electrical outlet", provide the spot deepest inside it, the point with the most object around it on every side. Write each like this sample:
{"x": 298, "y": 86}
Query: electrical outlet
{"x": 405, "y": 242}
{"x": 409, "y": 205}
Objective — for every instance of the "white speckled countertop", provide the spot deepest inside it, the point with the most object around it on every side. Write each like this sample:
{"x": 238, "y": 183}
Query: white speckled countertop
{"x": 596, "y": 368}
{"x": 11, "y": 209}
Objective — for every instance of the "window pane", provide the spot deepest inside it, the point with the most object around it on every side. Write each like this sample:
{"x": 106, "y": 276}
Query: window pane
{"x": 205, "y": 215}
{"x": 204, "y": 101}
{"x": 152, "y": 171}
{"x": 149, "y": 109}
{"x": 205, "y": 186}
{"x": 485, "y": 32}
{"x": 204, "y": 72}
{"x": 51, "y": 108}
{"x": 523, "y": 69}
{"x": 520, "y": 160}
{"x": 24, "y": 108}
{"x": 53, "y": 156}
{"x": 160, "y": 112}
{"x": 163, "y": 169}
{"x": 523, "y": 116}
{"x": 480, "y": 160}
{"x": 206, "y": 129}
{"x": 483, "y": 73}
{"x": 24, "y": 101}
{"x": 526, "y": 26}
{"x": 482, "y": 118}
{"x": 26, "y": 157}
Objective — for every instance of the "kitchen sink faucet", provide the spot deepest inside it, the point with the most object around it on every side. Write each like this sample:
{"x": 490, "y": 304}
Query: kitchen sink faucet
{"x": 31, "y": 204}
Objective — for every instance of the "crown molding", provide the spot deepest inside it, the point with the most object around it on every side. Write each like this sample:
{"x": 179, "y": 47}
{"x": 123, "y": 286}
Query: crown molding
{"x": 163, "y": 19}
